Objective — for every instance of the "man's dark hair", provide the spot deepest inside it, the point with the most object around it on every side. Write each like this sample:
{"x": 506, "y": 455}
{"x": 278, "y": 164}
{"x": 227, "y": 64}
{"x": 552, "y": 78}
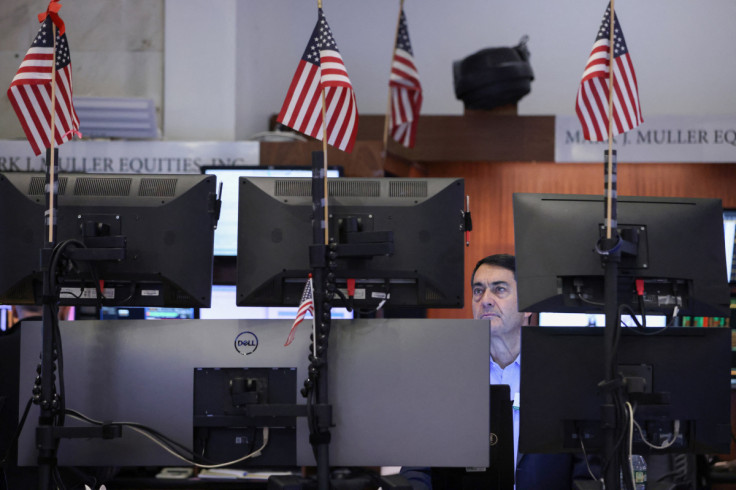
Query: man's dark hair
{"x": 500, "y": 260}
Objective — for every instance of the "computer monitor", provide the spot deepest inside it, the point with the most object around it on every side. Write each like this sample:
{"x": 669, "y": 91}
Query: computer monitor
{"x": 686, "y": 379}
{"x": 223, "y": 307}
{"x": 195, "y": 381}
{"x": 679, "y": 244}
{"x": 154, "y": 231}
{"x": 554, "y": 319}
{"x": 5, "y": 315}
{"x": 416, "y": 223}
{"x": 226, "y": 235}
{"x": 146, "y": 313}
{"x": 729, "y": 231}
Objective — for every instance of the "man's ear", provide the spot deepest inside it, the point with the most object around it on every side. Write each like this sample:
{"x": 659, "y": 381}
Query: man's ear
{"x": 528, "y": 317}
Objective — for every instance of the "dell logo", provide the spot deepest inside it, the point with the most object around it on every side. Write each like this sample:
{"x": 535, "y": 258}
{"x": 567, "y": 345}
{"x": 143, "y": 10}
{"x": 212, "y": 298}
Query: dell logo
{"x": 246, "y": 343}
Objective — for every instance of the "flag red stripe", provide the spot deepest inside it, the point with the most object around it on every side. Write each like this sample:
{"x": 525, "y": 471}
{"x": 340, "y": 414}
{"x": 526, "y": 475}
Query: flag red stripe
{"x": 15, "y": 102}
{"x": 312, "y": 123}
{"x": 295, "y": 96}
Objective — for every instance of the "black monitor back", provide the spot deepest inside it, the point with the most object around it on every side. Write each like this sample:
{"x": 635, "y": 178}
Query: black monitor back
{"x": 561, "y": 401}
{"x": 424, "y": 218}
{"x": 167, "y": 223}
{"x": 680, "y": 253}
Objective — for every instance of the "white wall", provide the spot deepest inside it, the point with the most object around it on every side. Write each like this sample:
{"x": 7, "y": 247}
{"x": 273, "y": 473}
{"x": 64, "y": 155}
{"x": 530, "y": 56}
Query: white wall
{"x": 681, "y": 50}
{"x": 116, "y": 49}
{"x": 199, "y": 70}
{"x": 226, "y": 64}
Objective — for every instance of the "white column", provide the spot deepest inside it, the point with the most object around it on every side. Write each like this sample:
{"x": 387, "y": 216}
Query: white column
{"x": 199, "y": 70}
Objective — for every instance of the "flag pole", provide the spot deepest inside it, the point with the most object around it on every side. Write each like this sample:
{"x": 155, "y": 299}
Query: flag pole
{"x": 46, "y": 420}
{"x": 388, "y": 107}
{"x": 610, "y": 287}
{"x": 324, "y": 153}
{"x": 609, "y": 199}
{"x": 319, "y": 435}
{"x": 322, "y": 453}
{"x": 52, "y": 137}
{"x": 324, "y": 167}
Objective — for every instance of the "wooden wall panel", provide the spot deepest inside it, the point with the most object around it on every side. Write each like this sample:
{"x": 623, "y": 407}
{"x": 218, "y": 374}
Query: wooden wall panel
{"x": 491, "y": 185}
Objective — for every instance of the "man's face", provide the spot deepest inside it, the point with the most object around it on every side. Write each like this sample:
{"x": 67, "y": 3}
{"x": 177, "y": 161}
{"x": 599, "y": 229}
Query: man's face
{"x": 494, "y": 299}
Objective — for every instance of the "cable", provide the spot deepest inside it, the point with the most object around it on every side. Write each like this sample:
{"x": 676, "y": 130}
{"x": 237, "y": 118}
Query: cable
{"x": 254, "y": 454}
{"x": 383, "y": 301}
{"x": 641, "y": 329}
{"x": 585, "y": 455}
{"x": 667, "y": 444}
{"x": 162, "y": 438}
{"x": 632, "y": 314}
{"x": 642, "y": 308}
{"x": 59, "y": 364}
{"x": 57, "y": 478}
{"x": 148, "y": 433}
{"x": 630, "y": 423}
{"x": 584, "y": 300}
{"x": 675, "y": 312}
{"x": 618, "y": 444}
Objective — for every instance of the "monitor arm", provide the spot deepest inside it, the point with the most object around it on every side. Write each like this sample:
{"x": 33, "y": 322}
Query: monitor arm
{"x": 354, "y": 241}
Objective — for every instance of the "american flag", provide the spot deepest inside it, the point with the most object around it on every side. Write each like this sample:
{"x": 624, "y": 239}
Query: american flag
{"x": 306, "y": 306}
{"x": 406, "y": 90}
{"x": 30, "y": 90}
{"x": 321, "y": 67}
{"x": 592, "y": 100}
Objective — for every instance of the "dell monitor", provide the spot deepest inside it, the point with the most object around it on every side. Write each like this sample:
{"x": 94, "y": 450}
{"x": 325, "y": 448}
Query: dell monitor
{"x": 158, "y": 229}
{"x": 678, "y": 255}
{"x": 417, "y": 224}
{"x": 197, "y": 381}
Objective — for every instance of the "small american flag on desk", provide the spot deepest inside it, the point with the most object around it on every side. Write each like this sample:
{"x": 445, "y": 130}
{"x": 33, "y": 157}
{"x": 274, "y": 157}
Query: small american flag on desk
{"x": 306, "y": 306}
{"x": 30, "y": 90}
{"x": 592, "y": 100}
{"x": 321, "y": 67}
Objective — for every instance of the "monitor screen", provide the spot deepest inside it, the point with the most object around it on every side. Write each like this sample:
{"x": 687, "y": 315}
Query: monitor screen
{"x": 552, "y": 319}
{"x": 679, "y": 254}
{"x": 5, "y": 317}
{"x": 729, "y": 231}
{"x": 146, "y": 240}
{"x": 146, "y": 313}
{"x": 400, "y": 240}
{"x": 223, "y": 307}
{"x": 685, "y": 378}
{"x": 226, "y": 235}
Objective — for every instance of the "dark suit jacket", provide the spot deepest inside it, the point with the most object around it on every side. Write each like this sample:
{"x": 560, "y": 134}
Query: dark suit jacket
{"x": 551, "y": 471}
{"x": 533, "y": 472}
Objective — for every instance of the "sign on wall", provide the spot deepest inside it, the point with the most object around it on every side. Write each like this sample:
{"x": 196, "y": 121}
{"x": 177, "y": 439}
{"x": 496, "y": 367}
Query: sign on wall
{"x": 148, "y": 157}
{"x": 660, "y": 139}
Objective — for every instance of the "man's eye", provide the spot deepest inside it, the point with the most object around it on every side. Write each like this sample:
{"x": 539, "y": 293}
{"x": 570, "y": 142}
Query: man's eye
{"x": 477, "y": 291}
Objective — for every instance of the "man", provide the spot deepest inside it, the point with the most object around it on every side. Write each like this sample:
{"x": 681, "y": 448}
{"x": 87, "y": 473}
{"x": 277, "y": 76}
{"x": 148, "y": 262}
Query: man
{"x": 26, "y": 312}
{"x": 495, "y": 299}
